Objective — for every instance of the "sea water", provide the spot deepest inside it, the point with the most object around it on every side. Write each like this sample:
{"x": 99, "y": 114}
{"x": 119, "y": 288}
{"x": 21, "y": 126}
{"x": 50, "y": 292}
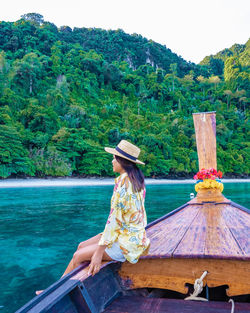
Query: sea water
{"x": 42, "y": 226}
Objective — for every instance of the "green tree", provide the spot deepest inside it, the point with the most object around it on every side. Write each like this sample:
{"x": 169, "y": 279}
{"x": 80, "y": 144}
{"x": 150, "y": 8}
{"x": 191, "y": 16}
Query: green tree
{"x": 13, "y": 156}
{"x": 50, "y": 162}
{"x": 66, "y": 93}
{"x": 57, "y": 59}
{"x": 173, "y": 68}
{"x": 35, "y": 18}
{"x": 231, "y": 72}
{"x": 27, "y": 71}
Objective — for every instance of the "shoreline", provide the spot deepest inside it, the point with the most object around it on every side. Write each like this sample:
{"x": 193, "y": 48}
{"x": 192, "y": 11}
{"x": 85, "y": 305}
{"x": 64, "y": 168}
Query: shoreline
{"x": 64, "y": 182}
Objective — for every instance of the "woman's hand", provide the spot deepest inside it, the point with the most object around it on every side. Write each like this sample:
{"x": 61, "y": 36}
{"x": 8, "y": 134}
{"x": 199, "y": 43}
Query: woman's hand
{"x": 96, "y": 261}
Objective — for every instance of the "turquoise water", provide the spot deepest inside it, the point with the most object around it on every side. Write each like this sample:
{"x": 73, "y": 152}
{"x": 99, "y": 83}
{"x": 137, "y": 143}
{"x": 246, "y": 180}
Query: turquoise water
{"x": 41, "y": 228}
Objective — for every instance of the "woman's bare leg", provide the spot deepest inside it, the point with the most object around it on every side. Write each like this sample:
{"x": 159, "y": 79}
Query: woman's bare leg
{"x": 90, "y": 241}
{"x": 84, "y": 244}
{"x": 82, "y": 255}
{"x": 69, "y": 267}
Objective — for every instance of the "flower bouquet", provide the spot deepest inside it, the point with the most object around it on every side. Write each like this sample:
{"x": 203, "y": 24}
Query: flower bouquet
{"x": 208, "y": 178}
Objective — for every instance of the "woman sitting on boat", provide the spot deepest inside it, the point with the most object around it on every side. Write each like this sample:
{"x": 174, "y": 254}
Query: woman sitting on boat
{"x": 124, "y": 237}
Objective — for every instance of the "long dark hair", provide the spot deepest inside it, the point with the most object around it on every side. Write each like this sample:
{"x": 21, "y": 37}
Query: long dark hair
{"x": 134, "y": 173}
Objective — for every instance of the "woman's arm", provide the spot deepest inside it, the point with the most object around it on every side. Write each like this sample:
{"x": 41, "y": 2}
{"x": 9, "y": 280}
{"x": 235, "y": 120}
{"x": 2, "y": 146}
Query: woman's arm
{"x": 115, "y": 220}
{"x": 96, "y": 260}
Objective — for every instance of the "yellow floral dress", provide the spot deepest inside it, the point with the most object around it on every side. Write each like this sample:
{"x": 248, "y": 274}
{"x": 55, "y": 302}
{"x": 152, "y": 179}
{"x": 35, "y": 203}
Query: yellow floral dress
{"x": 127, "y": 220}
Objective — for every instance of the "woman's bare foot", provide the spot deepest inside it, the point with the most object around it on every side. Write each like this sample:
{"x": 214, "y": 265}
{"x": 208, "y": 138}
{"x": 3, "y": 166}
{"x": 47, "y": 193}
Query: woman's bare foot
{"x": 38, "y": 292}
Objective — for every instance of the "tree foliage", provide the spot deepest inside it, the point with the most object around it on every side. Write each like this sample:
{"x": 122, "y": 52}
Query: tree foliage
{"x": 66, "y": 93}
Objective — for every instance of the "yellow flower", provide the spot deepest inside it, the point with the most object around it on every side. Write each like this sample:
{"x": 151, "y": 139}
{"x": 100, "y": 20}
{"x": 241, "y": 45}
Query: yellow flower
{"x": 209, "y": 183}
{"x": 214, "y": 184}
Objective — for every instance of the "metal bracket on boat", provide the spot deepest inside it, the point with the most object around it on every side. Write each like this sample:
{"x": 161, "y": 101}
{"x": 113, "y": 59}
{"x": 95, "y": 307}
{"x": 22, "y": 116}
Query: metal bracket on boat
{"x": 198, "y": 287}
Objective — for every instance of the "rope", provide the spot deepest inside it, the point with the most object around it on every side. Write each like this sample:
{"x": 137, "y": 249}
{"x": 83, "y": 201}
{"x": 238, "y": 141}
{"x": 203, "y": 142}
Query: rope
{"x": 198, "y": 287}
{"x": 232, "y": 301}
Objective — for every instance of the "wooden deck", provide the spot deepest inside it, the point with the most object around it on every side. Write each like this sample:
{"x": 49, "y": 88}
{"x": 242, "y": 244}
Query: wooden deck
{"x": 202, "y": 230}
{"x": 197, "y": 237}
{"x": 151, "y": 305}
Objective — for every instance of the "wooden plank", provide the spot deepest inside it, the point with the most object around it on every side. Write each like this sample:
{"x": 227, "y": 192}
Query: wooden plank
{"x": 83, "y": 274}
{"x": 205, "y": 132}
{"x": 219, "y": 240}
{"x": 128, "y": 304}
{"x": 242, "y": 208}
{"x": 54, "y": 298}
{"x": 193, "y": 243}
{"x": 166, "y": 235}
{"x": 63, "y": 306}
{"x": 173, "y": 274}
{"x": 79, "y": 302}
{"x": 200, "y": 231}
{"x": 209, "y": 236}
{"x": 103, "y": 288}
{"x": 64, "y": 283}
{"x": 238, "y": 222}
{"x": 57, "y": 294}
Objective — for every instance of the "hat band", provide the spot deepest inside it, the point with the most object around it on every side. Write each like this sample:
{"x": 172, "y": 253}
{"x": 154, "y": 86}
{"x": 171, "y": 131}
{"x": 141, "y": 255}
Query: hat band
{"x": 125, "y": 154}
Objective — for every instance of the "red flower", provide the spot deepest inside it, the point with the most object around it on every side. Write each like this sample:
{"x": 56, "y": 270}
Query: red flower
{"x": 219, "y": 174}
{"x": 208, "y": 174}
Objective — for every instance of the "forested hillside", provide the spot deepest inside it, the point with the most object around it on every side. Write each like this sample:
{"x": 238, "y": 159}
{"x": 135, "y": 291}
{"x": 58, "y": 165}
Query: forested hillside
{"x": 66, "y": 93}
{"x": 240, "y": 54}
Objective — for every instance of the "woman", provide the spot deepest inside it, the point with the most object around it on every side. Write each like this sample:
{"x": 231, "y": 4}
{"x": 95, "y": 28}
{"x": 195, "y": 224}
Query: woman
{"x": 124, "y": 237}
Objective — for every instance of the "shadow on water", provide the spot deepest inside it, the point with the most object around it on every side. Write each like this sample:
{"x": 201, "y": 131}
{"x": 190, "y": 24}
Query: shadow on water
{"x": 41, "y": 228}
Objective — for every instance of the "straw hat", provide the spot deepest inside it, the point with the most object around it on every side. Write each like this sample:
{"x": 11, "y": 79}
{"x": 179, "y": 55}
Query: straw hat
{"x": 127, "y": 151}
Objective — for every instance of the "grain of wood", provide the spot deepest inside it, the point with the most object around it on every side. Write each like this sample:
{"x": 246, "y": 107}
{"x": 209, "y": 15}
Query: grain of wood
{"x": 209, "y": 230}
{"x": 174, "y": 273}
{"x": 205, "y": 131}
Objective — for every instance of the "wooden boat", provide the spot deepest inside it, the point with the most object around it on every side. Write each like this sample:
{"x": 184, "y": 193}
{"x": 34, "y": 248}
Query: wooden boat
{"x": 206, "y": 237}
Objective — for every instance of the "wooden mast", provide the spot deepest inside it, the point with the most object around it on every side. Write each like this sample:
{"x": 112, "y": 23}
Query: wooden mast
{"x": 208, "y": 233}
{"x": 205, "y": 131}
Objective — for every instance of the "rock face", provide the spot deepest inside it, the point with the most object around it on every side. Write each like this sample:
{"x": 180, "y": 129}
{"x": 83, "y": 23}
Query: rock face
{"x": 129, "y": 60}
